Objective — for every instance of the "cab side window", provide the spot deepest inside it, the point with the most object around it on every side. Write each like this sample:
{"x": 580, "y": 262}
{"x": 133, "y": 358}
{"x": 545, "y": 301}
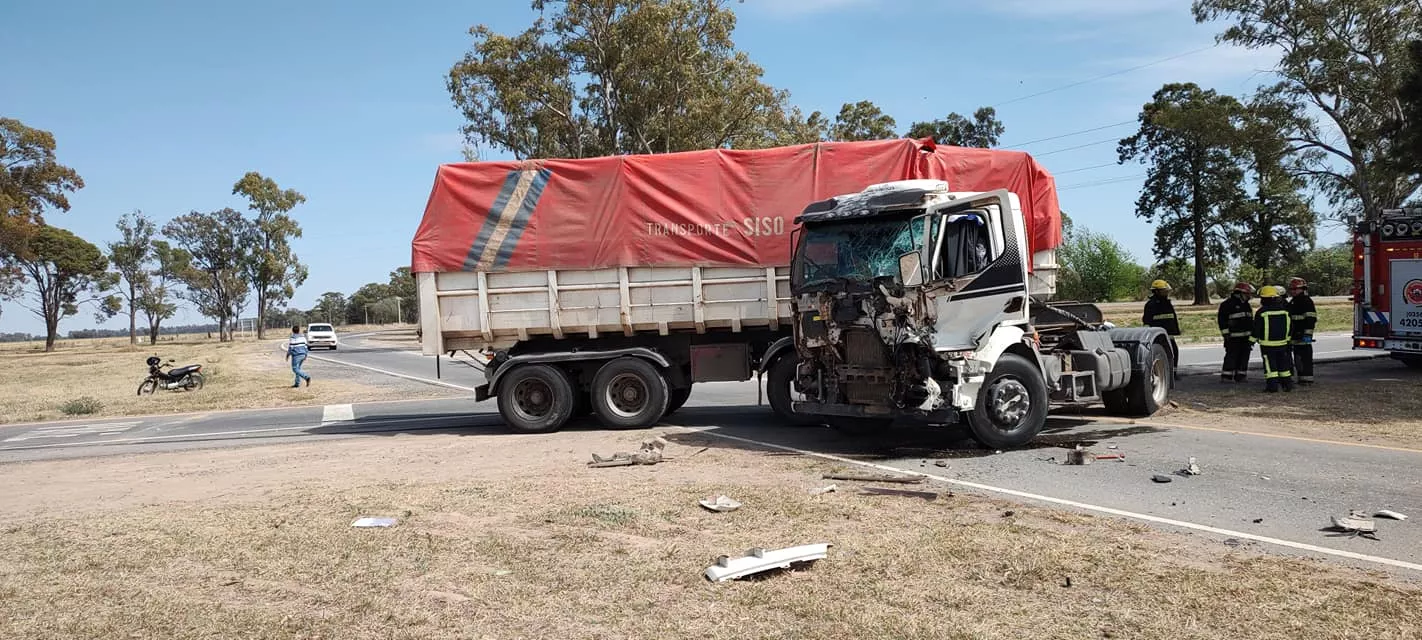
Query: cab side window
{"x": 964, "y": 246}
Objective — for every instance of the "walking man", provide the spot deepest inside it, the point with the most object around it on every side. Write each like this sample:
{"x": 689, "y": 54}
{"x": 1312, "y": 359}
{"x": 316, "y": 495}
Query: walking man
{"x": 1160, "y": 312}
{"x": 1304, "y": 316}
{"x": 1273, "y": 331}
{"x": 296, "y": 350}
{"x": 1236, "y": 321}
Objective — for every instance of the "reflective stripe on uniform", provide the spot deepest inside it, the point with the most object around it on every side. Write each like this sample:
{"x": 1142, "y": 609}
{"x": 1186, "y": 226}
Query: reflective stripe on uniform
{"x": 1163, "y": 316}
{"x": 1236, "y": 316}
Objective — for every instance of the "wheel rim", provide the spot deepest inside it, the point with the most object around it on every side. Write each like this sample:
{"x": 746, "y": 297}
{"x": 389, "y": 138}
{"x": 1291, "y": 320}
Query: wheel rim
{"x": 1009, "y": 403}
{"x": 1159, "y": 381}
{"x": 626, "y": 395}
{"x": 533, "y": 398}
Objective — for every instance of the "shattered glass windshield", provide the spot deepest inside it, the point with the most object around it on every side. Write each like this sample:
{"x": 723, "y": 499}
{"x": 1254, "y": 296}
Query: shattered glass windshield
{"x": 857, "y": 250}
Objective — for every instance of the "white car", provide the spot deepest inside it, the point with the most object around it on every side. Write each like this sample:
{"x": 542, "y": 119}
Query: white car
{"x": 321, "y": 335}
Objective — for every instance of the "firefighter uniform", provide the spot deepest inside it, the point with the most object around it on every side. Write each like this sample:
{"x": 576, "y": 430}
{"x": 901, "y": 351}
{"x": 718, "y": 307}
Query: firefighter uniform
{"x": 1160, "y": 312}
{"x": 1273, "y": 330}
{"x": 1304, "y": 316}
{"x": 1236, "y": 322}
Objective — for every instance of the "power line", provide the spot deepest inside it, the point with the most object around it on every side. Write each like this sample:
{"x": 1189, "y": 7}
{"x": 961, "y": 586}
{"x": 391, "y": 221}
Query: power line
{"x": 1098, "y": 183}
{"x": 1068, "y": 135}
{"x": 1079, "y": 169}
{"x": 1080, "y": 146}
{"x": 1106, "y": 75}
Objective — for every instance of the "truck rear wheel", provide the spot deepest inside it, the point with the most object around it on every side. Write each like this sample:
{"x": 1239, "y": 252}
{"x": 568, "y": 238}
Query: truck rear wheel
{"x": 677, "y": 400}
{"x": 1012, "y": 404}
{"x": 1145, "y": 393}
{"x": 780, "y": 391}
{"x": 536, "y": 398}
{"x": 629, "y": 393}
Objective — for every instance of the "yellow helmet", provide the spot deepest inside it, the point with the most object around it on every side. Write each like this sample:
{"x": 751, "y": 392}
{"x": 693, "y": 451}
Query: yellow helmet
{"x": 1268, "y": 291}
{"x": 1160, "y": 284}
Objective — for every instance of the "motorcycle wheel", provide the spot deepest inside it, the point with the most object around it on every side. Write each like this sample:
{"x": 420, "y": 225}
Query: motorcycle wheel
{"x": 147, "y": 386}
{"x": 195, "y": 382}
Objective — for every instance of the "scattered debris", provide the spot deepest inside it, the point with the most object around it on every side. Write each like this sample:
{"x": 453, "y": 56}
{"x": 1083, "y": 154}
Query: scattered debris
{"x": 1161, "y": 479}
{"x": 1111, "y": 456}
{"x": 940, "y": 463}
{"x": 1192, "y": 468}
{"x": 1079, "y": 456}
{"x": 1009, "y": 513}
{"x": 503, "y": 572}
{"x": 1067, "y": 582}
{"x": 1232, "y": 542}
{"x": 1356, "y": 523}
{"x": 372, "y": 521}
{"x": 758, "y": 560}
{"x": 1258, "y": 520}
{"x": 1390, "y": 515}
{"x": 650, "y": 453}
{"x": 870, "y": 477}
{"x": 699, "y": 452}
{"x": 1264, "y": 477}
{"x": 884, "y": 491}
{"x": 823, "y": 490}
{"x": 720, "y": 504}
{"x": 1110, "y": 446}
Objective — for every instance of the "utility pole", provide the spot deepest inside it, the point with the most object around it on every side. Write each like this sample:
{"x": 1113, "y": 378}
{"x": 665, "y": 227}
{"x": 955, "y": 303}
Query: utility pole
{"x": 399, "y": 317}
{"x": 367, "y": 314}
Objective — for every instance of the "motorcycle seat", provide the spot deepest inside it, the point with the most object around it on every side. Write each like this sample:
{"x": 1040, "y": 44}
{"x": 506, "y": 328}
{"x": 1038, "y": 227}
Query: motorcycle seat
{"x": 182, "y": 371}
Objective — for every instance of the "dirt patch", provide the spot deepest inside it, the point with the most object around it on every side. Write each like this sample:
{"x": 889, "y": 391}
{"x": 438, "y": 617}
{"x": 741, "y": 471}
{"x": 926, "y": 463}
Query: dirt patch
{"x": 512, "y": 536}
{"x": 1373, "y": 402}
{"x": 97, "y": 378}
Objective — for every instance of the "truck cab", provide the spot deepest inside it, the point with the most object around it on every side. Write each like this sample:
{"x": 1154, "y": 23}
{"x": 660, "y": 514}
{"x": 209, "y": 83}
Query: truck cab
{"x": 915, "y": 302}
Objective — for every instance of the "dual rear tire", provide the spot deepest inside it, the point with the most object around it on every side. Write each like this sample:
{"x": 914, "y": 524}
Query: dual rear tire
{"x": 626, "y": 393}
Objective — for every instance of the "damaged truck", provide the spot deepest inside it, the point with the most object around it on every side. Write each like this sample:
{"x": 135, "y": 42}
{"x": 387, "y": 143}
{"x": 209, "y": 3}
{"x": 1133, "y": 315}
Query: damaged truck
{"x": 915, "y": 286}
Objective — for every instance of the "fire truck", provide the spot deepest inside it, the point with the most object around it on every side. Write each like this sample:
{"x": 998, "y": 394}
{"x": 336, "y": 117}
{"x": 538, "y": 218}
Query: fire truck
{"x": 1387, "y": 285}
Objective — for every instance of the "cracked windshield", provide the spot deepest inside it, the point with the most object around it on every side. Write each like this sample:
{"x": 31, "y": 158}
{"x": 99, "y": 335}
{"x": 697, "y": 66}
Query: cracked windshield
{"x": 858, "y": 250}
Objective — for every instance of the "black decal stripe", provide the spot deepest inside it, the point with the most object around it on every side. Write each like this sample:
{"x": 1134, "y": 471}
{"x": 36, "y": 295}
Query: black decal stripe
{"x": 969, "y": 295}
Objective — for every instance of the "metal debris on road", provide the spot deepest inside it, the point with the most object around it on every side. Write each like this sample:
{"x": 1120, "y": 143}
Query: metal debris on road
{"x": 1390, "y": 515}
{"x": 870, "y": 477}
{"x": 1258, "y": 520}
{"x": 372, "y": 521}
{"x": 884, "y": 491}
{"x": 940, "y": 463}
{"x": 1079, "y": 456}
{"x": 1161, "y": 479}
{"x": 1356, "y": 523}
{"x": 1192, "y": 468}
{"x": 1232, "y": 542}
{"x": 650, "y": 453}
{"x": 720, "y": 504}
{"x": 823, "y": 490}
{"x": 1111, "y": 456}
{"x": 758, "y": 560}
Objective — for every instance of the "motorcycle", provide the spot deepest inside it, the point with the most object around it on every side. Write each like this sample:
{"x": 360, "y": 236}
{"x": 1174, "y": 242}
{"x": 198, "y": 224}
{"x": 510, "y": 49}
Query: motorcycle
{"x": 188, "y": 378}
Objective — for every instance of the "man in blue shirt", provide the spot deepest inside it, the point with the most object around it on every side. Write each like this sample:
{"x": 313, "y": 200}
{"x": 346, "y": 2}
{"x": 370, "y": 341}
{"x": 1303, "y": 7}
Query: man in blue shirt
{"x": 296, "y": 350}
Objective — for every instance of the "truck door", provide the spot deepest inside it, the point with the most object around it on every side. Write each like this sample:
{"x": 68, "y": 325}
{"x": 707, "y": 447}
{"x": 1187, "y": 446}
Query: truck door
{"x": 977, "y": 269}
{"x": 1406, "y": 297}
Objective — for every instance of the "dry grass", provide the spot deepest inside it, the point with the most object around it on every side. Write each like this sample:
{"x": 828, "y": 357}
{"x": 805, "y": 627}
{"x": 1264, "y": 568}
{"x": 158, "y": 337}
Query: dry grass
{"x": 512, "y": 537}
{"x": 1199, "y": 324}
{"x": 239, "y": 375}
{"x": 1373, "y": 402}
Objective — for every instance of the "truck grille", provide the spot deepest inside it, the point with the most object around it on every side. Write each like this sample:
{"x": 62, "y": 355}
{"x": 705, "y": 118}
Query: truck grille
{"x": 863, "y": 348}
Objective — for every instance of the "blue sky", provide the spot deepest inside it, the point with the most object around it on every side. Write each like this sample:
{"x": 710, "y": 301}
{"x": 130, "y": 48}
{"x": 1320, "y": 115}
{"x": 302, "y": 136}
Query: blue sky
{"x": 162, "y": 106}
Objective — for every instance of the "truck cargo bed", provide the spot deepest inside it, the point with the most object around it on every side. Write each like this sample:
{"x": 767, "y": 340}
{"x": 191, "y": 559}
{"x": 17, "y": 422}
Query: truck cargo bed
{"x": 495, "y": 310}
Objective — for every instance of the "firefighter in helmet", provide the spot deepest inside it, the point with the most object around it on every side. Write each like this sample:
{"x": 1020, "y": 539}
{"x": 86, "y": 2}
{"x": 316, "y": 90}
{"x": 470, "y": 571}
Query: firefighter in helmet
{"x": 1304, "y": 316}
{"x": 1273, "y": 330}
{"x": 1236, "y": 322}
{"x": 1160, "y": 312}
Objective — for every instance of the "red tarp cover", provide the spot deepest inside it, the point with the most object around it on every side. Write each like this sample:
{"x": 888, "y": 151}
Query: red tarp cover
{"x": 708, "y": 208}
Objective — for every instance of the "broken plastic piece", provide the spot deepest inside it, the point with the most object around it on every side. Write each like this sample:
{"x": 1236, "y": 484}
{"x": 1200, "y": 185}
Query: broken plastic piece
{"x": 823, "y": 490}
{"x": 1390, "y": 515}
{"x": 720, "y": 504}
{"x": 758, "y": 560}
{"x": 1161, "y": 479}
{"x": 1192, "y": 468}
{"x": 371, "y": 521}
{"x": 1079, "y": 456}
{"x": 1354, "y": 522}
{"x": 1111, "y": 456}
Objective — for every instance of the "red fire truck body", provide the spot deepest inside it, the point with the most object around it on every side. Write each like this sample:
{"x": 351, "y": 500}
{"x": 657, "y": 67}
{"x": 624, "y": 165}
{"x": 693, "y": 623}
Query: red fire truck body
{"x": 1387, "y": 285}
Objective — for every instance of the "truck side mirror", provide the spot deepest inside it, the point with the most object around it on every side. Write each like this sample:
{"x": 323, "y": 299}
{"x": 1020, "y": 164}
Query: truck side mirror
{"x": 911, "y": 269}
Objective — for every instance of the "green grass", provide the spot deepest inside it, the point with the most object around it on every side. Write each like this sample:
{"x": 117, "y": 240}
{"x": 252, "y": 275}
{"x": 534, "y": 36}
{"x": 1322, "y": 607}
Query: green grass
{"x": 1197, "y": 324}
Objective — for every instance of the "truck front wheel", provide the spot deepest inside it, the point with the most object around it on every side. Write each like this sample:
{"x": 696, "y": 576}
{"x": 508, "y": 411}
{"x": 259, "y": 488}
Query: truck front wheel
{"x": 536, "y": 398}
{"x": 780, "y": 390}
{"x": 1011, "y": 408}
{"x": 629, "y": 393}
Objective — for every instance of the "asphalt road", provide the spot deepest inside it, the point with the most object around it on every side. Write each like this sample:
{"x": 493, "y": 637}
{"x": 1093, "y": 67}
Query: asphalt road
{"x": 1275, "y": 493}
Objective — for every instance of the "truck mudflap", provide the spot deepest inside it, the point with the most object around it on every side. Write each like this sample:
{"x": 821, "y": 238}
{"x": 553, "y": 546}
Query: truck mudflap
{"x": 481, "y": 393}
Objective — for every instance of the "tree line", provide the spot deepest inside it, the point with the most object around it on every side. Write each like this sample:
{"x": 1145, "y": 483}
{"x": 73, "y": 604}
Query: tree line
{"x": 1233, "y": 185}
{"x": 215, "y": 260}
{"x": 373, "y": 303}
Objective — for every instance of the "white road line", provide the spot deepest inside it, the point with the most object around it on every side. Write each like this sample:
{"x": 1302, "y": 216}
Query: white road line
{"x": 337, "y": 413}
{"x": 397, "y": 375}
{"x": 73, "y": 431}
{"x": 1401, "y": 564}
